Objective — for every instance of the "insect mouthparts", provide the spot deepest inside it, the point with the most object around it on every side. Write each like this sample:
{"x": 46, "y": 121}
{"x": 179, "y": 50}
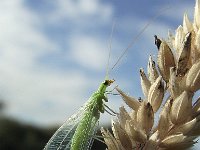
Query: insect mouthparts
{"x": 108, "y": 82}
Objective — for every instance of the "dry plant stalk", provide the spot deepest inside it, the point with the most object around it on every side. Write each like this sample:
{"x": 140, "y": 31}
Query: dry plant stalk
{"x": 178, "y": 78}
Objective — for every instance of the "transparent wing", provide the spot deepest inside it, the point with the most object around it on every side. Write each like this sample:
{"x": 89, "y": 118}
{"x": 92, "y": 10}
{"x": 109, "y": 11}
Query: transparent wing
{"x": 62, "y": 137}
{"x": 91, "y": 138}
{"x": 92, "y": 133}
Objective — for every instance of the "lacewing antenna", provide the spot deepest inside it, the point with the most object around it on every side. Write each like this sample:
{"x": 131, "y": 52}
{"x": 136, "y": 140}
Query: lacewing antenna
{"x": 139, "y": 35}
{"x": 110, "y": 49}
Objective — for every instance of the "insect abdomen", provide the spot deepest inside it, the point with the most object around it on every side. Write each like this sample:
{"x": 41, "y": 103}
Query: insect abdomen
{"x": 85, "y": 127}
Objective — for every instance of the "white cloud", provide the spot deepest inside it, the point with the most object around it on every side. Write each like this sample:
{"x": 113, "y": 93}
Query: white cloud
{"x": 89, "y": 52}
{"x": 20, "y": 40}
{"x": 34, "y": 95}
{"x": 33, "y": 90}
{"x": 77, "y": 10}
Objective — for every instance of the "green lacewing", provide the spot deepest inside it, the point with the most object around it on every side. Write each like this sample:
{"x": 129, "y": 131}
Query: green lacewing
{"x": 78, "y": 131}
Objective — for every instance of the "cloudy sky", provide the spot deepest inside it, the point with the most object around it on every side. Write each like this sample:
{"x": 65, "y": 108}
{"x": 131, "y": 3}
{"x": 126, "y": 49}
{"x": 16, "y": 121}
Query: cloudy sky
{"x": 53, "y": 54}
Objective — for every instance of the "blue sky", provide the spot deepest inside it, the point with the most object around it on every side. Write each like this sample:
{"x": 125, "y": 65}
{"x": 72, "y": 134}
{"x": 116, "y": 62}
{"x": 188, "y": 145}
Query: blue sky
{"x": 53, "y": 54}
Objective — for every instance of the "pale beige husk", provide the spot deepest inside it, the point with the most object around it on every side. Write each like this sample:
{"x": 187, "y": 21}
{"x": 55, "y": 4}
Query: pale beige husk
{"x": 169, "y": 86}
